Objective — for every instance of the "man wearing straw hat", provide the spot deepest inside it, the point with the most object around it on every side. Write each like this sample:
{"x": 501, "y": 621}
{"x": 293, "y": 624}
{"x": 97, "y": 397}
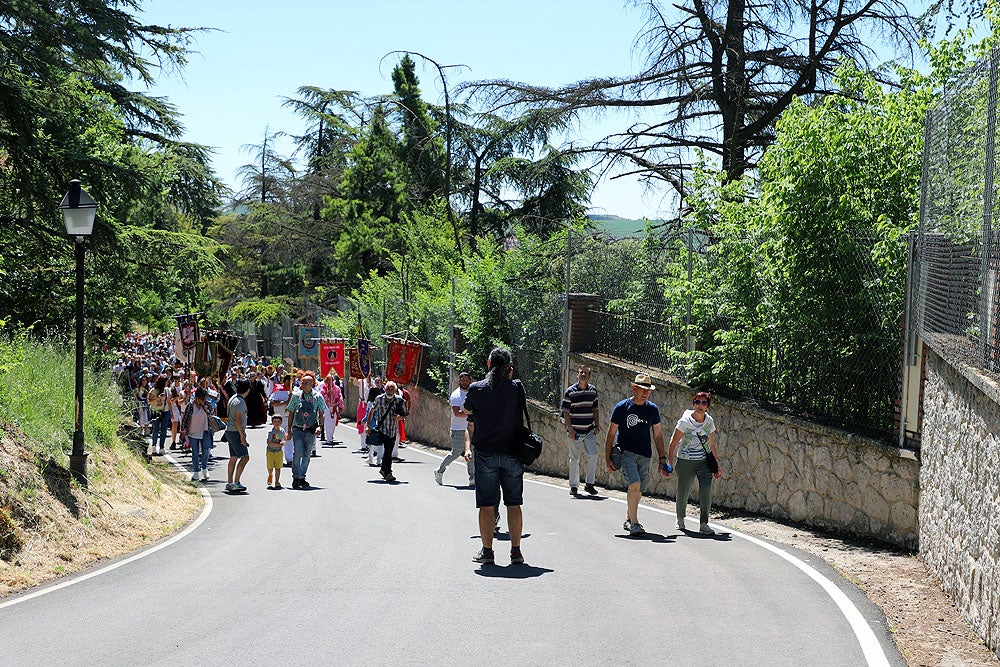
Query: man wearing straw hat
{"x": 632, "y": 422}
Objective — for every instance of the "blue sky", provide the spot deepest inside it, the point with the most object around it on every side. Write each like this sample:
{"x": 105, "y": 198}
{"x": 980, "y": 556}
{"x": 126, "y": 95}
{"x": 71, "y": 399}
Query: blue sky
{"x": 232, "y": 88}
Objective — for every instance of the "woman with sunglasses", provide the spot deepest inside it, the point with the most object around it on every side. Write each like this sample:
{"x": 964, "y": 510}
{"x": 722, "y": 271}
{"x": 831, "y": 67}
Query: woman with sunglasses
{"x": 695, "y": 433}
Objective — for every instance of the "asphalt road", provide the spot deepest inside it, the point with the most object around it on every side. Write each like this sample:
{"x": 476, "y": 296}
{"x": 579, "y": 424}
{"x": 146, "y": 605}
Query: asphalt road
{"x": 357, "y": 571}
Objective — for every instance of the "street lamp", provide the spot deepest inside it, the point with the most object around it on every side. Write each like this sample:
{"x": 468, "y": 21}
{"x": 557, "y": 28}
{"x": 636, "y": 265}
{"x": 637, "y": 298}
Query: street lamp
{"x": 79, "y": 210}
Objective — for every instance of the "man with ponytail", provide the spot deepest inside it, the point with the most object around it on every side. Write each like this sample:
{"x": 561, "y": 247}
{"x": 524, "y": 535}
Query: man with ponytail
{"x": 493, "y": 409}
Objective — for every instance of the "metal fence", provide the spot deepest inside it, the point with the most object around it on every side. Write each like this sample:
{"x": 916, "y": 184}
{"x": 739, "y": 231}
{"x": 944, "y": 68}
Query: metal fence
{"x": 955, "y": 291}
{"x": 824, "y": 346}
{"x": 643, "y": 334}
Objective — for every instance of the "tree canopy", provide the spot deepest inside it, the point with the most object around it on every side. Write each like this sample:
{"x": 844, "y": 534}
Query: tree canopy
{"x": 717, "y": 76}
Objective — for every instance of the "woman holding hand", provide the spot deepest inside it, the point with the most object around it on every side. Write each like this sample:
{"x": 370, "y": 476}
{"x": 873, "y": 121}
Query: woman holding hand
{"x": 695, "y": 434}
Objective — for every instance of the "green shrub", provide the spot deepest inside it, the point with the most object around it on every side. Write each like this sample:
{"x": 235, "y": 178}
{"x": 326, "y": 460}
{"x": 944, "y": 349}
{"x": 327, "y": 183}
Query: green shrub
{"x": 37, "y": 384}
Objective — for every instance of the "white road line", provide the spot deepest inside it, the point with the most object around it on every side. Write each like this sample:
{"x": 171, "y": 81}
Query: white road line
{"x": 871, "y": 647}
{"x": 131, "y": 559}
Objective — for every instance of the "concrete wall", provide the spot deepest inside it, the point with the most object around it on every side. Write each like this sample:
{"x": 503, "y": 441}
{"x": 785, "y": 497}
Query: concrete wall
{"x": 960, "y": 498}
{"x": 772, "y": 465}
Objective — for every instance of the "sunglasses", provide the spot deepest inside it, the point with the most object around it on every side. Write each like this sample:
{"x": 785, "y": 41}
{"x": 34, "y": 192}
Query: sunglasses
{"x": 701, "y": 402}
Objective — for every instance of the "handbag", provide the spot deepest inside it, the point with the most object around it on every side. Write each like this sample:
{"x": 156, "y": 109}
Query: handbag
{"x": 528, "y": 446}
{"x": 616, "y": 456}
{"x": 710, "y": 460}
{"x": 216, "y": 424}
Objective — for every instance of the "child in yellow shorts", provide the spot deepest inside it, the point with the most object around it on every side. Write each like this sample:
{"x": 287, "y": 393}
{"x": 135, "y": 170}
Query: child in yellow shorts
{"x": 275, "y": 454}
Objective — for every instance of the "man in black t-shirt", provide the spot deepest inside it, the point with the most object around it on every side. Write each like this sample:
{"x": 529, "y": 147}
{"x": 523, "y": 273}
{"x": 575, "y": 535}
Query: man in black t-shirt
{"x": 493, "y": 408}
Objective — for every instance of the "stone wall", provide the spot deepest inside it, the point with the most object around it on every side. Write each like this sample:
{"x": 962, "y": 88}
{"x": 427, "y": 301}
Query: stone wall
{"x": 960, "y": 498}
{"x": 785, "y": 467}
{"x": 778, "y": 466}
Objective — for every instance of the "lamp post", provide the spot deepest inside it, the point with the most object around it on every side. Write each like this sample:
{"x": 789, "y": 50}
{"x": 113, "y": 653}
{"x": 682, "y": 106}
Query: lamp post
{"x": 79, "y": 210}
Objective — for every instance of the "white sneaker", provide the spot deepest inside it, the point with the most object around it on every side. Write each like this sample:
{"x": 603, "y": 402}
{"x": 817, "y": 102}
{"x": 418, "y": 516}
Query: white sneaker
{"x": 439, "y": 477}
{"x": 204, "y": 475}
{"x": 680, "y": 524}
{"x": 706, "y": 529}
{"x": 161, "y": 452}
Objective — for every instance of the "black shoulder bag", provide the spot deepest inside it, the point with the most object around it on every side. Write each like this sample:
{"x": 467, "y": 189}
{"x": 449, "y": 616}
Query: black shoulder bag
{"x": 710, "y": 460}
{"x": 528, "y": 446}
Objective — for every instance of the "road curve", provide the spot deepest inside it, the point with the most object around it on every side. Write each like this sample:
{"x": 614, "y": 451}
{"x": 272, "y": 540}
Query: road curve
{"x": 358, "y": 571}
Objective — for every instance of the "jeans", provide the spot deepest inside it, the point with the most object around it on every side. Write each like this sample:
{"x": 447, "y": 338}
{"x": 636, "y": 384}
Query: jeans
{"x": 303, "y": 443}
{"x": 457, "y": 451}
{"x": 687, "y": 470}
{"x": 161, "y": 426}
{"x": 495, "y": 472}
{"x": 582, "y": 443}
{"x": 201, "y": 448}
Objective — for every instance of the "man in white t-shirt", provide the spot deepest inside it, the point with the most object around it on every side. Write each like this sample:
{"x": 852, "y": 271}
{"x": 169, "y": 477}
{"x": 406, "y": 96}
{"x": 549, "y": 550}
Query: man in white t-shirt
{"x": 459, "y": 423}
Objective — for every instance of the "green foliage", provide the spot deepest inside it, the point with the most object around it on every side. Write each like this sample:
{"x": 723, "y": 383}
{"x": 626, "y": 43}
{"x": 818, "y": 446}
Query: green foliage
{"x": 36, "y": 394}
{"x": 260, "y": 311}
{"x": 421, "y": 146}
{"x": 65, "y": 112}
{"x": 798, "y": 292}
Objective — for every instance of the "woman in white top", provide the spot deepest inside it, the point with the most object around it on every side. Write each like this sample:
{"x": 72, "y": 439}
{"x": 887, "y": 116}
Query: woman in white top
{"x": 695, "y": 433}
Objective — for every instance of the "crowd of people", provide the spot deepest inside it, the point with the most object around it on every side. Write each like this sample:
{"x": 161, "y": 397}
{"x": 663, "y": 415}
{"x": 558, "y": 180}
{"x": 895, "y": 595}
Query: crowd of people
{"x": 485, "y": 424}
{"x": 169, "y": 398}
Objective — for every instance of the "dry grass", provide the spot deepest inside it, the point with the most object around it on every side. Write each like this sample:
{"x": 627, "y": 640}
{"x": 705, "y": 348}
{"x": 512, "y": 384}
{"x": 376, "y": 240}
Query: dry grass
{"x": 60, "y": 528}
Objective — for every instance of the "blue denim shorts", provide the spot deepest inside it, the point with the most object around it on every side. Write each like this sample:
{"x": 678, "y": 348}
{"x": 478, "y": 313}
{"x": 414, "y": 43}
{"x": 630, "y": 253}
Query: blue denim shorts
{"x": 236, "y": 448}
{"x": 494, "y": 472}
{"x": 635, "y": 468}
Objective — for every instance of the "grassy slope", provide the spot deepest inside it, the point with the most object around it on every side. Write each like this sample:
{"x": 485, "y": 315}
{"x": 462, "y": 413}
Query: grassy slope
{"x": 49, "y": 525}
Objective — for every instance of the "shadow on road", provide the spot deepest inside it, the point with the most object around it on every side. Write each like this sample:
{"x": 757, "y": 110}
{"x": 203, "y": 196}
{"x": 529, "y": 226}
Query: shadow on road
{"x": 501, "y": 536}
{"x": 582, "y": 497}
{"x": 649, "y": 537}
{"x": 718, "y": 537}
{"x": 512, "y": 571}
{"x": 385, "y": 483}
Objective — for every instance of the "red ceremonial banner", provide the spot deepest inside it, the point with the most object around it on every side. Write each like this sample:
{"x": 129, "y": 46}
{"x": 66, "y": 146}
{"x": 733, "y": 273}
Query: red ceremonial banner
{"x": 401, "y": 366}
{"x": 354, "y": 362}
{"x": 331, "y": 355}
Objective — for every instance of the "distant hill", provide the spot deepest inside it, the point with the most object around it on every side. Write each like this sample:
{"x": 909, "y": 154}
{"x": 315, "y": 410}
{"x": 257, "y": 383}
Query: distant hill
{"x": 618, "y": 226}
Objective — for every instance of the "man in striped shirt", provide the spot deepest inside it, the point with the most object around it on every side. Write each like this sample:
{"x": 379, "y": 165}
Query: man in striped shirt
{"x": 580, "y": 414}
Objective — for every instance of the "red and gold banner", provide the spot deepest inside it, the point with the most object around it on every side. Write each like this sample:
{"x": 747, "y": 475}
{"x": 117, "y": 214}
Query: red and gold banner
{"x": 331, "y": 355}
{"x": 404, "y": 358}
{"x": 353, "y": 360}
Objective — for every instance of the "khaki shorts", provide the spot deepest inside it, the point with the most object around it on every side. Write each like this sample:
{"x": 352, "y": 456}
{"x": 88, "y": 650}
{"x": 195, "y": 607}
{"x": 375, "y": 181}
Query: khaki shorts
{"x": 275, "y": 459}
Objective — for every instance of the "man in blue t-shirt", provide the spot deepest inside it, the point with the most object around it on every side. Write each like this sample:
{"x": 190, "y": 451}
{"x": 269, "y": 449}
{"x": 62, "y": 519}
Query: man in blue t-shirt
{"x": 632, "y": 422}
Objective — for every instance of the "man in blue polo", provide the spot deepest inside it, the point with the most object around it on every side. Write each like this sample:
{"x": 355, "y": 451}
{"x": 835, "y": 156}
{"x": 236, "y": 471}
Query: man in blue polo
{"x": 633, "y": 421}
{"x": 580, "y": 414}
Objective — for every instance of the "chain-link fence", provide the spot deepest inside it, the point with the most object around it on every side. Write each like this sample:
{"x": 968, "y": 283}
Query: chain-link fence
{"x": 956, "y": 304}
